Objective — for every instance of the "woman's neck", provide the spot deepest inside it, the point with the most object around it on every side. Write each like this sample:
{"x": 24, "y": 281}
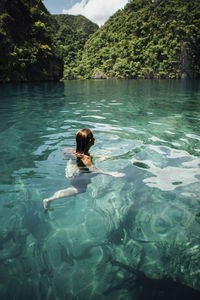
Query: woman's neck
{"x": 83, "y": 153}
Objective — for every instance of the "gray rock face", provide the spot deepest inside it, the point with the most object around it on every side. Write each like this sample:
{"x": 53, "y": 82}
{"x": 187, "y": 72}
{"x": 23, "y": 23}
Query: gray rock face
{"x": 99, "y": 75}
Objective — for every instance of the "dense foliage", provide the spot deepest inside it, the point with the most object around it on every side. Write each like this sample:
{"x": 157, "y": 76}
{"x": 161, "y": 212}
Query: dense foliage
{"x": 147, "y": 39}
{"x": 27, "y": 52}
{"x": 70, "y": 34}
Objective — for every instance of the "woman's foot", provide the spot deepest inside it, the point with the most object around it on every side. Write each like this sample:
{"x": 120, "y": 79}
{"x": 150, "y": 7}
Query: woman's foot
{"x": 46, "y": 204}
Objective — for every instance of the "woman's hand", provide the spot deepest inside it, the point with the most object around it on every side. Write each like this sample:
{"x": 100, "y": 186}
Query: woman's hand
{"x": 103, "y": 157}
{"x": 116, "y": 174}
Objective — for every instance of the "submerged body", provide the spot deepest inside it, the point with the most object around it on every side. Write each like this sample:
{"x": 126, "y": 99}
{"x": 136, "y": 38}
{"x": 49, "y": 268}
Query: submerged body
{"x": 80, "y": 168}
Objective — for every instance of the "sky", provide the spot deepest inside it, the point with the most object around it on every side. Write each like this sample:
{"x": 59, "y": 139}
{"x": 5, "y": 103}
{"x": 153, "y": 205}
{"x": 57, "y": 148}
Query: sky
{"x": 97, "y": 11}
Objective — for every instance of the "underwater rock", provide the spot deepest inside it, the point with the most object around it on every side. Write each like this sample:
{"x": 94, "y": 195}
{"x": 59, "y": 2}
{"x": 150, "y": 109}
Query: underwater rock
{"x": 197, "y": 218}
{"x": 65, "y": 255}
{"x": 150, "y": 288}
{"x": 86, "y": 249}
{"x": 36, "y": 225}
{"x": 141, "y": 165}
{"x": 9, "y": 248}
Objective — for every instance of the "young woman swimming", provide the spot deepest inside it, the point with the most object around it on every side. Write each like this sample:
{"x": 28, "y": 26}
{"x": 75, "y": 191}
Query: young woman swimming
{"x": 80, "y": 167}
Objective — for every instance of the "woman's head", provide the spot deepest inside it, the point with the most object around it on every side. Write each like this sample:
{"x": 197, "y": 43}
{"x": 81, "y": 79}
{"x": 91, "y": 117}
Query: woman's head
{"x": 84, "y": 140}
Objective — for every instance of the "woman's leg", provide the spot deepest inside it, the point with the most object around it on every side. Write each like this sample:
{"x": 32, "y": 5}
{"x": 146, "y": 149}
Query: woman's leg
{"x": 60, "y": 194}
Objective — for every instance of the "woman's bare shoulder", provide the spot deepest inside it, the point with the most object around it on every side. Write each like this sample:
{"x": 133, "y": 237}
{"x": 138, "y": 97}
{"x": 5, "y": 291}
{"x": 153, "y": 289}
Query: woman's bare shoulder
{"x": 69, "y": 152}
{"x": 87, "y": 160}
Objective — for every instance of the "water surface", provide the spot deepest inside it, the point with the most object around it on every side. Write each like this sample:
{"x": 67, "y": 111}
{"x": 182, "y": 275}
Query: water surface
{"x": 135, "y": 237}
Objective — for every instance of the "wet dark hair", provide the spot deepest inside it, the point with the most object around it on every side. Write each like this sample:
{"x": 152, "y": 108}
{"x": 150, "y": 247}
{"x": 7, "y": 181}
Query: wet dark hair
{"x": 83, "y": 138}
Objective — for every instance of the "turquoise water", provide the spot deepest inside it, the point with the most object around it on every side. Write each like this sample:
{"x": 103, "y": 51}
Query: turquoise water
{"x": 135, "y": 237}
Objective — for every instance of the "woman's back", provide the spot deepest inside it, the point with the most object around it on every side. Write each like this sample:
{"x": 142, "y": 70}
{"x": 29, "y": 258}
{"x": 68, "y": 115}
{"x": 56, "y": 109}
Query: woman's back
{"x": 78, "y": 163}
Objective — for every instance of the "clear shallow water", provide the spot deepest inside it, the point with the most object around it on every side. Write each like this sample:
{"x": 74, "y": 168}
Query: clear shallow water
{"x": 135, "y": 237}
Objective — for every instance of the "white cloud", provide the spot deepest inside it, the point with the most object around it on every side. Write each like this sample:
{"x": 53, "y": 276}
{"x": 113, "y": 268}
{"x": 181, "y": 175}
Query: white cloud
{"x": 97, "y": 11}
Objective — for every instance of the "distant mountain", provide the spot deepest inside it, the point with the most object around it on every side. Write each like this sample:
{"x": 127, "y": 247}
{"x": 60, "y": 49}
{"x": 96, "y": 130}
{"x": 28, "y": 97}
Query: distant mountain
{"x": 77, "y": 23}
{"x": 70, "y": 34}
{"x": 27, "y": 52}
{"x": 36, "y": 45}
{"x": 147, "y": 39}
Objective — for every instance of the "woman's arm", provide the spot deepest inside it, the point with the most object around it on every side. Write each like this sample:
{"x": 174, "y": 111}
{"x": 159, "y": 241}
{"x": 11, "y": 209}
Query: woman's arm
{"x": 89, "y": 164}
{"x": 101, "y": 157}
{"x": 113, "y": 174}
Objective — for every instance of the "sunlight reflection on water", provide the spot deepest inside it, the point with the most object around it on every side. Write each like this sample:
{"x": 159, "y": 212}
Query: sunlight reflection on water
{"x": 99, "y": 244}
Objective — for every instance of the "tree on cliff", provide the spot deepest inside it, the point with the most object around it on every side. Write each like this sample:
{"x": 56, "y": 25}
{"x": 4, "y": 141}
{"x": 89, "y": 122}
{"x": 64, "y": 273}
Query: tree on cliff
{"x": 147, "y": 39}
{"x": 27, "y": 52}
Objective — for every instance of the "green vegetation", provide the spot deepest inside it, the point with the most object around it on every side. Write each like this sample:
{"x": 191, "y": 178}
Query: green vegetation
{"x": 27, "y": 52}
{"x": 159, "y": 39}
{"x": 70, "y": 34}
{"x": 147, "y": 39}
